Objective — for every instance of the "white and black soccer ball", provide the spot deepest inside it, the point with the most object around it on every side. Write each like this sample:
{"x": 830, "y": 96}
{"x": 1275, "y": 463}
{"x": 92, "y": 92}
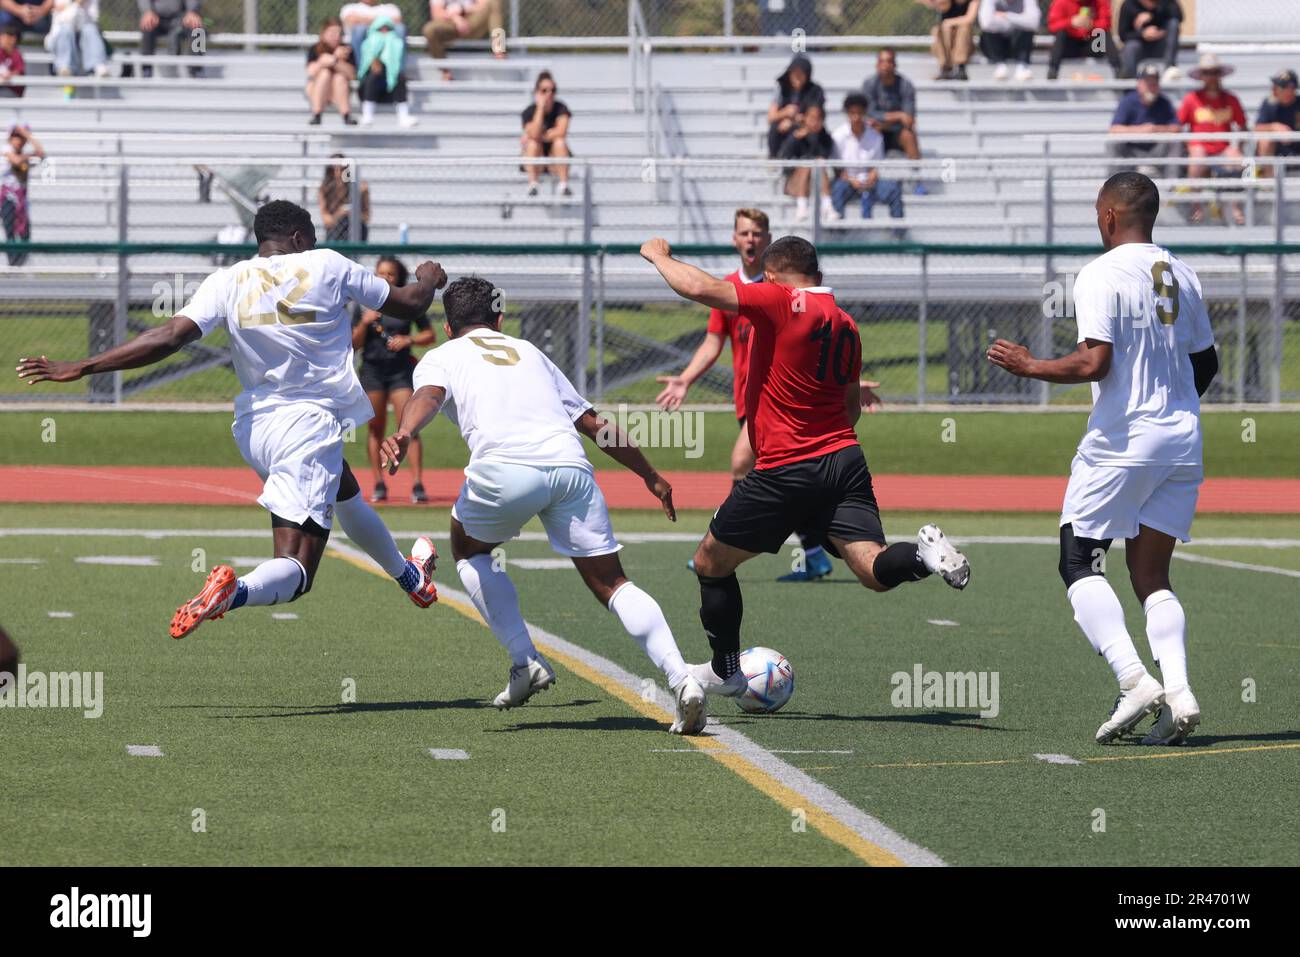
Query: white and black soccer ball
{"x": 770, "y": 679}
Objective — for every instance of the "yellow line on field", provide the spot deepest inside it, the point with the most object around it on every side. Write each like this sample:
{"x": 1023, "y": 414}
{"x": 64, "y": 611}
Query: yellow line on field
{"x": 1193, "y": 753}
{"x": 831, "y": 828}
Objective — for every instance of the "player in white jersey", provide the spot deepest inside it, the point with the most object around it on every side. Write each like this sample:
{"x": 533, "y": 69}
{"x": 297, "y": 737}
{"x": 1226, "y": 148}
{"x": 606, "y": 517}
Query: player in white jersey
{"x": 1146, "y": 346}
{"x": 521, "y": 419}
{"x": 291, "y": 344}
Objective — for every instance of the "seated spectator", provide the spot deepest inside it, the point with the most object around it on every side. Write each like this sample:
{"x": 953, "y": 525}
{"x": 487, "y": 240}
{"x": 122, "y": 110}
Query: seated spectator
{"x": 23, "y": 151}
{"x": 952, "y": 39}
{"x": 1007, "y": 30}
{"x": 1149, "y": 31}
{"x": 809, "y": 141}
{"x": 75, "y": 40}
{"x": 546, "y": 131}
{"x": 382, "y": 54}
{"x": 795, "y": 92}
{"x": 859, "y": 147}
{"x": 172, "y": 20}
{"x": 1277, "y": 114}
{"x": 12, "y": 63}
{"x": 30, "y": 16}
{"x": 1146, "y": 110}
{"x": 1212, "y": 109}
{"x": 465, "y": 20}
{"x": 891, "y": 108}
{"x": 1082, "y": 30}
{"x": 357, "y": 18}
{"x": 335, "y": 198}
{"x": 330, "y": 72}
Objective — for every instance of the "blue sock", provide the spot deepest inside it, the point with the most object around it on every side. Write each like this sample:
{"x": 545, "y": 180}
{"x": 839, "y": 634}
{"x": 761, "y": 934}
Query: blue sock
{"x": 410, "y": 577}
{"x": 241, "y": 595}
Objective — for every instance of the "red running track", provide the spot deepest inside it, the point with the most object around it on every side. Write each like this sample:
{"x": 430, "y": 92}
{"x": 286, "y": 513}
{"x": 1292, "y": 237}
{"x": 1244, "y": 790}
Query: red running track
{"x": 185, "y": 485}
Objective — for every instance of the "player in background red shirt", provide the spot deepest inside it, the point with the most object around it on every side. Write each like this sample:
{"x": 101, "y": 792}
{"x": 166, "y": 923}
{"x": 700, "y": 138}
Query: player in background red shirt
{"x": 751, "y": 237}
{"x": 1212, "y": 109}
{"x": 802, "y": 399}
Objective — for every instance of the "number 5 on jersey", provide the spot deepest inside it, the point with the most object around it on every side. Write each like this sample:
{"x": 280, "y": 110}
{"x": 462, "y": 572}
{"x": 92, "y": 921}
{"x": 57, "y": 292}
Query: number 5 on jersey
{"x": 499, "y": 355}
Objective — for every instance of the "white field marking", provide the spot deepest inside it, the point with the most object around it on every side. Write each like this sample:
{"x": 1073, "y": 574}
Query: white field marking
{"x": 144, "y": 751}
{"x": 22, "y": 561}
{"x": 1229, "y": 563}
{"x": 448, "y": 754}
{"x": 141, "y": 561}
{"x": 789, "y": 751}
{"x": 284, "y": 616}
{"x": 539, "y": 563}
{"x": 948, "y": 623}
{"x": 246, "y": 561}
{"x": 59, "y": 614}
{"x": 1057, "y": 759}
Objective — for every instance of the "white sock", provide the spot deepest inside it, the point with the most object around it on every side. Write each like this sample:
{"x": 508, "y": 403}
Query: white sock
{"x": 1167, "y": 633}
{"x": 1100, "y": 615}
{"x": 368, "y": 111}
{"x": 644, "y": 621}
{"x": 274, "y": 581}
{"x": 362, "y": 524}
{"x": 494, "y": 595}
{"x": 403, "y": 110}
{"x": 800, "y": 205}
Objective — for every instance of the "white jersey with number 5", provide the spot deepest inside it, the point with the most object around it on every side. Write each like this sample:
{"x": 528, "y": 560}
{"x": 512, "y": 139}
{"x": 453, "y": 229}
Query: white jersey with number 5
{"x": 1147, "y": 304}
{"x": 290, "y": 332}
{"x": 508, "y": 399}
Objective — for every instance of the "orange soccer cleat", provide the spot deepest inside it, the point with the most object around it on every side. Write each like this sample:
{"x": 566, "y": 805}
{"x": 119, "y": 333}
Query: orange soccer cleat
{"x": 212, "y": 601}
{"x": 424, "y": 555}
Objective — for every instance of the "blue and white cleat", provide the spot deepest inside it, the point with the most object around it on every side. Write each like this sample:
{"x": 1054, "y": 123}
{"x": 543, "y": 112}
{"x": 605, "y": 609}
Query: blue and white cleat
{"x": 816, "y": 565}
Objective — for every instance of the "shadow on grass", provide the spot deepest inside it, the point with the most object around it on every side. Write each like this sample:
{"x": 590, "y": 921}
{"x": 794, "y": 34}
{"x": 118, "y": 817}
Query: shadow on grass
{"x": 946, "y": 719}
{"x": 606, "y": 723}
{"x": 1211, "y": 740}
{"x": 361, "y": 707}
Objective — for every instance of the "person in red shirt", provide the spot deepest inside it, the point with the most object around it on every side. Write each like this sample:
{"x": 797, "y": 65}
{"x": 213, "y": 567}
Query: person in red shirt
{"x": 802, "y": 399}
{"x": 1212, "y": 109}
{"x": 1081, "y": 29}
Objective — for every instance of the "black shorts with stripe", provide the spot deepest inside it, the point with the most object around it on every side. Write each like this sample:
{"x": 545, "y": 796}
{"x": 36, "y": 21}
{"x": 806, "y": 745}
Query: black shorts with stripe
{"x": 824, "y": 497}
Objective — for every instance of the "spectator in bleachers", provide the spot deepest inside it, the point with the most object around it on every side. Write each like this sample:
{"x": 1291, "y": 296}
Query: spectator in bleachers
{"x": 1278, "y": 114}
{"x": 953, "y": 37}
{"x": 1082, "y": 30}
{"x": 75, "y": 40}
{"x": 808, "y": 141}
{"x": 546, "y": 131}
{"x": 891, "y": 108}
{"x": 382, "y": 54}
{"x": 795, "y": 93}
{"x": 464, "y": 20}
{"x": 30, "y": 16}
{"x": 330, "y": 72}
{"x": 1149, "y": 31}
{"x": 173, "y": 21}
{"x": 335, "y": 197}
{"x": 860, "y": 147}
{"x": 357, "y": 18}
{"x": 23, "y": 151}
{"x": 1007, "y": 30}
{"x": 1146, "y": 110}
{"x": 12, "y": 63}
{"x": 1212, "y": 109}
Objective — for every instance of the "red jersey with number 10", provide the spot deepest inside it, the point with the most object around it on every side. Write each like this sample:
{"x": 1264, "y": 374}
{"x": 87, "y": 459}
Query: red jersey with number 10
{"x": 803, "y": 353}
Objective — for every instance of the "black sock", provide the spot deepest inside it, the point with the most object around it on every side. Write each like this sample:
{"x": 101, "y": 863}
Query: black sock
{"x": 900, "y": 562}
{"x": 809, "y": 543}
{"x": 721, "y": 609}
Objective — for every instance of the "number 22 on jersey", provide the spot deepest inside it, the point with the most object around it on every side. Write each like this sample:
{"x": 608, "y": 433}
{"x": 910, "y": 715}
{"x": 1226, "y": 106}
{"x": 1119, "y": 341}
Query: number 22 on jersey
{"x": 263, "y": 281}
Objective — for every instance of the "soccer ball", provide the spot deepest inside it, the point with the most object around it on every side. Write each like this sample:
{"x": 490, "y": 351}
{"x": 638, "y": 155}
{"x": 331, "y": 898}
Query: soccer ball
{"x": 771, "y": 680}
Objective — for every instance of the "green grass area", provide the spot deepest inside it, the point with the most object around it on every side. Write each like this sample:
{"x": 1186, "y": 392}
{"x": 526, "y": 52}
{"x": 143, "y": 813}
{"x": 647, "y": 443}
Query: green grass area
{"x": 250, "y": 717}
{"x": 986, "y": 443}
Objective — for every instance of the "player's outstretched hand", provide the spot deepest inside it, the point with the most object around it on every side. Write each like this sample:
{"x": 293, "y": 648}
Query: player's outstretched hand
{"x": 870, "y": 401}
{"x": 47, "y": 370}
{"x": 661, "y": 490}
{"x": 656, "y": 248}
{"x": 393, "y": 450}
{"x": 431, "y": 272}
{"x": 674, "y": 392}
{"x": 1011, "y": 356}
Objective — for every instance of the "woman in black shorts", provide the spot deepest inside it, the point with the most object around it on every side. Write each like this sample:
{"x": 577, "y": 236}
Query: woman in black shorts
{"x": 385, "y": 373}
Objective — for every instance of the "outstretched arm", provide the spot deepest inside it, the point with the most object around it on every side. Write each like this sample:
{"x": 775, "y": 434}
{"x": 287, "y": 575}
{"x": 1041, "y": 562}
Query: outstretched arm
{"x": 690, "y": 282}
{"x": 614, "y": 442}
{"x": 675, "y": 386}
{"x": 144, "y": 350}
{"x": 414, "y": 299}
{"x": 419, "y": 412}
{"x": 1088, "y": 363}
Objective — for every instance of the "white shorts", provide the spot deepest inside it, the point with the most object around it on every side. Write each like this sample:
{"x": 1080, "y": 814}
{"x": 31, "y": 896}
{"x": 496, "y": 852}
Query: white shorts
{"x": 1109, "y": 501}
{"x": 499, "y": 498}
{"x": 297, "y": 450}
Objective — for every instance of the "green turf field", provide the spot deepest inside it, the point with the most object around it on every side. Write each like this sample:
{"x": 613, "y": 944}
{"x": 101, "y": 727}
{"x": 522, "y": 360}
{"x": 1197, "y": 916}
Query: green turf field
{"x": 251, "y": 720}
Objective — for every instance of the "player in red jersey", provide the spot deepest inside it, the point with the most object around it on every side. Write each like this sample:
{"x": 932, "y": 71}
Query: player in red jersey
{"x": 802, "y": 400}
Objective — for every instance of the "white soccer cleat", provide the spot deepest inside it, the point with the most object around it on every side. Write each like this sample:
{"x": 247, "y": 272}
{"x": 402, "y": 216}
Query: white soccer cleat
{"x": 1176, "y": 719}
{"x": 525, "y": 681}
{"x": 692, "y": 712}
{"x": 1132, "y": 705}
{"x": 708, "y": 679}
{"x": 941, "y": 558}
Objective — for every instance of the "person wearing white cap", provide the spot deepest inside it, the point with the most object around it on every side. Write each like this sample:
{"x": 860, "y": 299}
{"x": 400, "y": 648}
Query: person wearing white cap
{"x": 1278, "y": 114}
{"x": 1212, "y": 109}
